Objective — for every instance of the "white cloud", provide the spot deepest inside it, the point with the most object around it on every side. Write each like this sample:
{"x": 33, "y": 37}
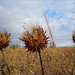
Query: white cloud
{"x": 14, "y": 13}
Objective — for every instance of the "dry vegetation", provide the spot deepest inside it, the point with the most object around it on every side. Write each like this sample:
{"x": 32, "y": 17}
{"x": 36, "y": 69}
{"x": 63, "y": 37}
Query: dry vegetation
{"x": 52, "y": 43}
{"x": 35, "y": 40}
{"x": 4, "y": 42}
{"x": 56, "y": 61}
{"x": 4, "y": 39}
{"x": 73, "y": 36}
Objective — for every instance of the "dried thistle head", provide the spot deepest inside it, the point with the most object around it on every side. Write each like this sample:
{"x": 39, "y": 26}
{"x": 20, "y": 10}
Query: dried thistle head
{"x": 4, "y": 39}
{"x": 35, "y": 39}
{"x": 73, "y": 36}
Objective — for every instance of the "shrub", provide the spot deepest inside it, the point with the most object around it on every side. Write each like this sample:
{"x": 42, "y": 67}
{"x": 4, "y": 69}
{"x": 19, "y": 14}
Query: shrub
{"x": 15, "y": 46}
{"x": 52, "y": 44}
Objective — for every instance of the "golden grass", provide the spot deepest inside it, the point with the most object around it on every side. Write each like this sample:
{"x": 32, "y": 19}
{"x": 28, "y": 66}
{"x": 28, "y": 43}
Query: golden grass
{"x": 57, "y": 61}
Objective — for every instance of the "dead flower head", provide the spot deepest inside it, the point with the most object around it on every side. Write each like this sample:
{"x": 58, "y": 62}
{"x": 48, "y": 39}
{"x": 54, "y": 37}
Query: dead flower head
{"x": 73, "y": 36}
{"x": 35, "y": 39}
{"x": 4, "y": 39}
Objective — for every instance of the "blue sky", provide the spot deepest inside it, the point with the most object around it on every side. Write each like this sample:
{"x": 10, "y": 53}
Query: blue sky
{"x": 60, "y": 14}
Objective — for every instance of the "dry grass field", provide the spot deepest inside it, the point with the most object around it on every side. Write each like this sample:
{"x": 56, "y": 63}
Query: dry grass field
{"x": 56, "y": 61}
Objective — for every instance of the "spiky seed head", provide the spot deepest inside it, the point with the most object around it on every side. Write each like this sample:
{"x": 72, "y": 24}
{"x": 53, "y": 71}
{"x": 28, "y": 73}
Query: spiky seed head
{"x": 73, "y": 36}
{"x": 35, "y": 38}
{"x": 4, "y": 39}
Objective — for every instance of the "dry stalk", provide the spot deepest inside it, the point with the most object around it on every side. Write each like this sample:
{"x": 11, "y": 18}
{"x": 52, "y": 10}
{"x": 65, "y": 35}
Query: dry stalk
{"x": 5, "y": 62}
{"x": 49, "y": 30}
{"x": 4, "y": 42}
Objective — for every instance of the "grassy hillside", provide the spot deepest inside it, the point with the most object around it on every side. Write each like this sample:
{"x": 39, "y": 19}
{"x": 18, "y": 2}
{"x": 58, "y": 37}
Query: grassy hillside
{"x": 56, "y": 61}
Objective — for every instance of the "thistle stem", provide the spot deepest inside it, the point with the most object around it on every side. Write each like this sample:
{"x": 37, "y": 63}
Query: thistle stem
{"x": 41, "y": 62}
{"x": 5, "y": 61}
{"x": 73, "y": 69}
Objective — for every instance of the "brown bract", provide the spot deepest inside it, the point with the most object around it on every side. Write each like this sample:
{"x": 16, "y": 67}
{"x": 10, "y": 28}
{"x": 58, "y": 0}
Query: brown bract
{"x": 73, "y": 36}
{"x": 35, "y": 39}
{"x": 4, "y": 39}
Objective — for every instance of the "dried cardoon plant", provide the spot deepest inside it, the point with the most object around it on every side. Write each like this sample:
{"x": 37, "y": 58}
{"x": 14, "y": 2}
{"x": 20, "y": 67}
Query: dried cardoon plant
{"x": 35, "y": 40}
{"x": 4, "y": 42}
{"x": 73, "y": 36}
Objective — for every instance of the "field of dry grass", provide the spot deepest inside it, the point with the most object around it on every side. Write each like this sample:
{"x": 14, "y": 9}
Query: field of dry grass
{"x": 56, "y": 61}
